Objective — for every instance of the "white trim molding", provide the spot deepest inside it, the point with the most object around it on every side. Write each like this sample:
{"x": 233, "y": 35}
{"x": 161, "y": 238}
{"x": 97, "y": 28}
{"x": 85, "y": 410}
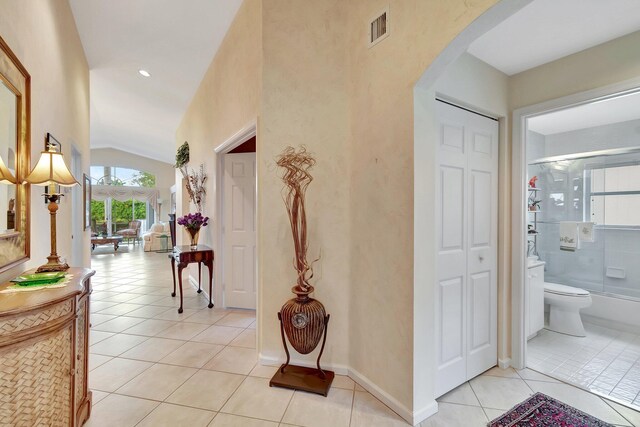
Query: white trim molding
{"x": 277, "y": 361}
{"x": 412, "y": 417}
{"x": 519, "y": 197}
{"x": 237, "y": 138}
{"x": 504, "y": 363}
{"x": 382, "y": 395}
{"x": 234, "y": 141}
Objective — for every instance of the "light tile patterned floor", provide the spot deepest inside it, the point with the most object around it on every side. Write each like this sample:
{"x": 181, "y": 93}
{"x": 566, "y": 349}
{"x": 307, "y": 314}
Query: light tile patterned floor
{"x": 151, "y": 366}
{"x": 606, "y": 361}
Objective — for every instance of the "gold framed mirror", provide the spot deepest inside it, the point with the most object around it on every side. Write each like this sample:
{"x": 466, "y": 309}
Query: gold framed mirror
{"x": 15, "y": 153}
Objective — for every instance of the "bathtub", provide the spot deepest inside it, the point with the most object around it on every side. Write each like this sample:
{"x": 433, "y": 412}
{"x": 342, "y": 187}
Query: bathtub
{"x": 618, "y": 312}
{"x": 611, "y": 310}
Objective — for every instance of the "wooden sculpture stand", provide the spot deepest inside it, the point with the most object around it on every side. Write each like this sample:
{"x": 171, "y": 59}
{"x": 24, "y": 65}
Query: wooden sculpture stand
{"x": 312, "y": 380}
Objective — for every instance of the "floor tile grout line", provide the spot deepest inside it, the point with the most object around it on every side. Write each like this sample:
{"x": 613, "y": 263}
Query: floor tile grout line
{"x": 608, "y": 402}
{"x": 148, "y": 337}
{"x": 601, "y": 352}
{"x": 353, "y": 403}
{"x": 478, "y": 399}
{"x": 287, "y": 407}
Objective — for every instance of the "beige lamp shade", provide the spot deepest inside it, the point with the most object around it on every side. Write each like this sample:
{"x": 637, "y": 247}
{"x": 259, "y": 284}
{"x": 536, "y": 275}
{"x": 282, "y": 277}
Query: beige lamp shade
{"x": 51, "y": 169}
{"x": 6, "y": 177}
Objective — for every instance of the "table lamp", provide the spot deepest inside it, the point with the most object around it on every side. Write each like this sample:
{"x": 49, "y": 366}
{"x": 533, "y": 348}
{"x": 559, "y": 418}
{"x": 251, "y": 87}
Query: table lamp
{"x": 6, "y": 177}
{"x": 52, "y": 171}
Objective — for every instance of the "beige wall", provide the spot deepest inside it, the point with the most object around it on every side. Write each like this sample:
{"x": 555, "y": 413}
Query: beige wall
{"x": 305, "y": 101}
{"x": 599, "y": 66}
{"x": 43, "y": 36}
{"x": 164, "y": 172}
{"x": 382, "y": 149}
{"x": 227, "y": 100}
{"x": 353, "y": 108}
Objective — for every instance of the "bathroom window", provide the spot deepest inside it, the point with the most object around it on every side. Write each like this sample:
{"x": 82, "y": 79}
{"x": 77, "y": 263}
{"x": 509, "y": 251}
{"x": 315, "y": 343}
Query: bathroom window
{"x": 614, "y": 198}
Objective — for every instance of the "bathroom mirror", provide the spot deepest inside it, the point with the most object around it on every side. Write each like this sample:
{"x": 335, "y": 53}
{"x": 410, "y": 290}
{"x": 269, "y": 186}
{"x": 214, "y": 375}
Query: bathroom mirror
{"x": 15, "y": 153}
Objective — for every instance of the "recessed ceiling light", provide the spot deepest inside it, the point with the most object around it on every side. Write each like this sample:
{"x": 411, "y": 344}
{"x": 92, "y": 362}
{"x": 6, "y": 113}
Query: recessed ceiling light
{"x": 145, "y": 73}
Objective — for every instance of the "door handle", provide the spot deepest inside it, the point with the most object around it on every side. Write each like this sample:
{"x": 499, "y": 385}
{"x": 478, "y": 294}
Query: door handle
{"x": 481, "y": 258}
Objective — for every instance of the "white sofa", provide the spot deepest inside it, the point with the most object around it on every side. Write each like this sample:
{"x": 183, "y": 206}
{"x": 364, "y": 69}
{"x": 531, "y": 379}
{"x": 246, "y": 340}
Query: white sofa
{"x": 152, "y": 241}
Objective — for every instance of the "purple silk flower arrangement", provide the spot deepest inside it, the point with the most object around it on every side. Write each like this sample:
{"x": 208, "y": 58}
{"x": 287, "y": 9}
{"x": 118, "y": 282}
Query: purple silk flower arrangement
{"x": 193, "y": 221}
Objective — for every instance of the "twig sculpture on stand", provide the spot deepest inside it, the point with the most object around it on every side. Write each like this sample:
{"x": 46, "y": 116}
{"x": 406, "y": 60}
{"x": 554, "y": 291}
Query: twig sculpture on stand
{"x": 296, "y": 178}
{"x": 303, "y": 319}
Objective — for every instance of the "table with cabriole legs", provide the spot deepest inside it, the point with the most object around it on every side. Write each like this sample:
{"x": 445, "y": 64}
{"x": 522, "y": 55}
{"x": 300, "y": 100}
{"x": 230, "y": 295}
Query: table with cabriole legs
{"x": 184, "y": 255}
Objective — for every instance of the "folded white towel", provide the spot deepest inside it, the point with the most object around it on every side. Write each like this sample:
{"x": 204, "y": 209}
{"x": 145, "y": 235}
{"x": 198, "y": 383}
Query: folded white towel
{"x": 568, "y": 236}
{"x": 586, "y": 232}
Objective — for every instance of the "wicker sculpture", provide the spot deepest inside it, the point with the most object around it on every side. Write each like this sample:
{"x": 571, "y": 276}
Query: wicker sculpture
{"x": 303, "y": 319}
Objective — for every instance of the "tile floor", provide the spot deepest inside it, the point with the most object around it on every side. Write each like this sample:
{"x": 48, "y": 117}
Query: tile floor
{"x": 606, "y": 361}
{"x": 151, "y": 366}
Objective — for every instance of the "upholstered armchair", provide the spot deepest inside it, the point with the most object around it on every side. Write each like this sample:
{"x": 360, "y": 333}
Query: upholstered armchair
{"x": 133, "y": 232}
{"x": 153, "y": 241}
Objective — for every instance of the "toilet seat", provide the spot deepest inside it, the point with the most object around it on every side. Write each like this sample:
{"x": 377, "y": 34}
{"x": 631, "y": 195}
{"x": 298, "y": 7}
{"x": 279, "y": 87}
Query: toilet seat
{"x": 569, "y": 291}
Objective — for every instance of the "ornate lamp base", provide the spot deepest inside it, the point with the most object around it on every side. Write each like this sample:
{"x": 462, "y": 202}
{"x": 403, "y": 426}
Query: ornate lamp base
{"x": 54, "y": 264}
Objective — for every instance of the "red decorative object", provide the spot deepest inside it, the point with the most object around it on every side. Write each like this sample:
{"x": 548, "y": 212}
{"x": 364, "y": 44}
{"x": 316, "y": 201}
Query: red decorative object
{"x": 532, "y": 182}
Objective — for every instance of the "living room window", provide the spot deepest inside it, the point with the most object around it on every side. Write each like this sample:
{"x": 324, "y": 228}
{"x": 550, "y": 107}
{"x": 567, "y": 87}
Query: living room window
{"x": 109, "y": 215}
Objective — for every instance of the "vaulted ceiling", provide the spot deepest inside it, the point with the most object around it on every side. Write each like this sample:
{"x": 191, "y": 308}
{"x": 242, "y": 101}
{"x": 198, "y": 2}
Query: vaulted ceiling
{"x": 175, "y": 41}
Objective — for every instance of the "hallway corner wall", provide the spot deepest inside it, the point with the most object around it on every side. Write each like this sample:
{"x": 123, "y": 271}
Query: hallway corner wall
{"x": 305, "y": 102}
{"x": 382, "y": 81}
{"x": 227, "y": 99}
{"x": 44, "y": 37}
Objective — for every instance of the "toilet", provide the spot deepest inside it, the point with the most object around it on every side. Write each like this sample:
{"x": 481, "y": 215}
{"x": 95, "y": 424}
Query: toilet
{"x": 565, "y": 303}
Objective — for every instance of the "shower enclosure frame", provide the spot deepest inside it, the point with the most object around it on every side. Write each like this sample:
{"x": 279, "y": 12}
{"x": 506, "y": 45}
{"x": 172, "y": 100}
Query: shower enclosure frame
{"x": 519, "y": 195}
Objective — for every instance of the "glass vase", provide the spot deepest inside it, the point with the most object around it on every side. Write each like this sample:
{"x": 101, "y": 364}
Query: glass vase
{"x": 194, "y": 233}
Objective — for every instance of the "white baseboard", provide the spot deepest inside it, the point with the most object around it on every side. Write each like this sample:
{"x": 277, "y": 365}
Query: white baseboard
{"x": 424, "y": 413}
{"x": 504, "y": 363}
{"x": 412, "y": 418}
{"x": 277, "y": 361}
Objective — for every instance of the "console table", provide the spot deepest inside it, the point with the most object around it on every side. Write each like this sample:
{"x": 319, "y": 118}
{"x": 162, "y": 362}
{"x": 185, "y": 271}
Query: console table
{"x": 44, "y": 354}
{"x": 184, "y": 255}
{"x": 114, "y": 240}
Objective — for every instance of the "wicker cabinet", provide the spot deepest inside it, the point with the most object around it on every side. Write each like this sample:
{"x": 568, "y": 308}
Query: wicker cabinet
{"x": 44, "y": 354}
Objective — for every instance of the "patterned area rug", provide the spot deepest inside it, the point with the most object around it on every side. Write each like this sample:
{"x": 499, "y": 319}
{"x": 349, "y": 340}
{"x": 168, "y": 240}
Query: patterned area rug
{"x": 542, "y": 410}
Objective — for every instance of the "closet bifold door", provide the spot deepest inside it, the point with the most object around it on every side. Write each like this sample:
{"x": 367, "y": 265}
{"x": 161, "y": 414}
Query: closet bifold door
{"x": 466, "y": 215}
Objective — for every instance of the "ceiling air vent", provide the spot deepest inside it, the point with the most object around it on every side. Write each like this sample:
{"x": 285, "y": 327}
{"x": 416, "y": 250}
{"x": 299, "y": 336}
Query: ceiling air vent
{"x": 379, "y": 27}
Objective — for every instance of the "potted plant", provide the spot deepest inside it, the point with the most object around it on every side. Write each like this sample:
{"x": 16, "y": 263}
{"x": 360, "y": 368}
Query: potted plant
{"x": 194, "y": 181}
{"x": 534, "y": 205}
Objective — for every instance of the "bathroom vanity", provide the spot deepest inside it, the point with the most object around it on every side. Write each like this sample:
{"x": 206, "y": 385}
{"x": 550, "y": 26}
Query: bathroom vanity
{"x": 535, "y": 298}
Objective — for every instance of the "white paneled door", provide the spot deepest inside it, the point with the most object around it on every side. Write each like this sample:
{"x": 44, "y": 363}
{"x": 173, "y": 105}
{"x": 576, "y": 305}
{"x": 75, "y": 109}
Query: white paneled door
{"x": 467, "y": 219}
{"x": 239, "y": 230}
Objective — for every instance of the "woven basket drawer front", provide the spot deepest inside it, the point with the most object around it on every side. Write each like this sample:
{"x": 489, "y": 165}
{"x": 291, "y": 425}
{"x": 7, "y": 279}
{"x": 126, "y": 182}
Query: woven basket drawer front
{"x": 35, "y": 382}
{"x": 81, "y": 352}
{"x": 38, "y": 318}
